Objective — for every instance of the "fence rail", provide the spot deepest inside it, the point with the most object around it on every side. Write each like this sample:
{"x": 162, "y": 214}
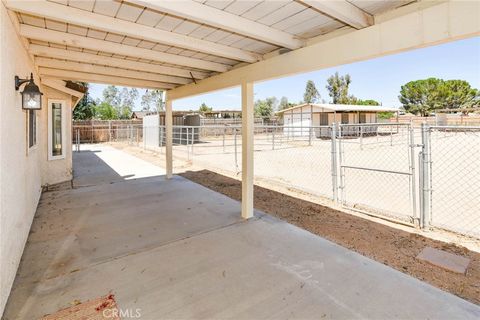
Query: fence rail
{"x": 427, "y": 176}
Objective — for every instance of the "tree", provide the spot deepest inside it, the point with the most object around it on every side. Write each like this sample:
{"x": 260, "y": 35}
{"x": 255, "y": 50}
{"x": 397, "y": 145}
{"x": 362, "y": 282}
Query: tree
{"x": 204, "y": 108}
{"x": 459, "y": 94}
{"x": 337, "y": 87}
{"x": 427, "y": 95}
{"x": 111, "y": 96}
{"x": 368, "y": 102}
{"x": 84, "y": 111}
{"x": 423, "y": 96}
{"x": 265, "y": 108}
{"x": 284, "y": 104}
{"x": 127, "y": 102}
{"x": 311, "y": 94}
{"x": 105, "y": 111}
{"x": 85, "y": 108}
{"x": 152, "y": 100}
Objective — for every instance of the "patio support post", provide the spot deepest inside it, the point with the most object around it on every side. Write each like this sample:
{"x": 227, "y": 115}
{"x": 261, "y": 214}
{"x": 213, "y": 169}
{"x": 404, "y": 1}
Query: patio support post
{"x": 247, "y": 150}
{"x": 168, "y": 135}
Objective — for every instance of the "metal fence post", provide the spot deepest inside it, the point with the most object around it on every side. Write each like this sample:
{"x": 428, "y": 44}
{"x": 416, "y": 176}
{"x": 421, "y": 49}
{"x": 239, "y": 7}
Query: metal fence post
{"x": 391, "y": 135}
{"x": 341, "y": 169}
{"x": 273, "y": 139}
{"x": 412, "y": 174}
{"x": 192, "y": 139}
{"x": 223, "y": 141}
{"x": 188, "y": 149}
{"x": 425, "y": 214}
{"x": 361, "y": 137}
{"x": 144, "y": 129}
{"x": 161, "y": 136}
{"x": 78, "y": 140}
{"x": 310, "y": 136}
{"x": 334, "y": 162}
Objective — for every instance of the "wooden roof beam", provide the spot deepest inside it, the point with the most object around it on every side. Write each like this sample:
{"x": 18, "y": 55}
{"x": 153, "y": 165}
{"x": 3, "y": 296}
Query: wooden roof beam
{"x": 224, "y": 20}
{"x": 49, "y": 73}
{"x": 73, "y": 40}
{"x": 78, "y": 56}
{"x": 343, "y": 11}
{"x": 88, "y": 19}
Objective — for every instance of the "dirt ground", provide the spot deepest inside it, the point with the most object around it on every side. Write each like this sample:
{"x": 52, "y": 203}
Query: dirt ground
{"x": 393, "y": 247}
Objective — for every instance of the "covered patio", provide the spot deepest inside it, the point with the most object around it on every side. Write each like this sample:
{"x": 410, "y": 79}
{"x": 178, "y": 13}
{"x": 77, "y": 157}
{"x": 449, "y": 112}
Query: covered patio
{"x": 159, "y": 242}
{"x": 173, "y": 256}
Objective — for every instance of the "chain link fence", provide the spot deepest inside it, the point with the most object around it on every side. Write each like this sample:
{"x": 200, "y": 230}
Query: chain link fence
{"x": 453, "y": 165}
{"x": 425, "y": 176}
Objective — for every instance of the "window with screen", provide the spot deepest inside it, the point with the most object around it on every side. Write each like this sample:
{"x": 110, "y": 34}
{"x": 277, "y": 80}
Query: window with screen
{"x": 344, "y": 118}
{"x": 56, "y": 130}
{"x": 32, "y": 128}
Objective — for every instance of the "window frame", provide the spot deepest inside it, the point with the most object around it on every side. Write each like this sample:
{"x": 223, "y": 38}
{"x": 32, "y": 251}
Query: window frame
{"x": 35, "y": 134}
{"x": 323, "y": 116}
{"x": 362, "y": 115}
{"x": 50, "y": 127}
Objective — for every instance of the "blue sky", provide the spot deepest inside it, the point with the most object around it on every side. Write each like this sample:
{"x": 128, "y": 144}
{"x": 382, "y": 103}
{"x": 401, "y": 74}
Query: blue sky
{"x": 378, "y": 79}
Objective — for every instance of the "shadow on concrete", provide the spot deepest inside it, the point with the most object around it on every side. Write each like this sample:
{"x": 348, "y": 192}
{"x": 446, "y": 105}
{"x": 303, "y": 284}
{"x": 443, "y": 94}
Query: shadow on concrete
{"x": 102, "y": 164}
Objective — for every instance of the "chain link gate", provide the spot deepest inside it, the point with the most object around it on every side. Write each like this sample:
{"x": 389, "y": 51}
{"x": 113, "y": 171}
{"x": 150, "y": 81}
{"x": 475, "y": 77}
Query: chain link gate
{"x": 377, "y": 170}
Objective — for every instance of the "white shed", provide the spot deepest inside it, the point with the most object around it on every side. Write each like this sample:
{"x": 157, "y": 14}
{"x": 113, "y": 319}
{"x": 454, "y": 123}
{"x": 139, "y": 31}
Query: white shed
{"x": 297, "y": 120}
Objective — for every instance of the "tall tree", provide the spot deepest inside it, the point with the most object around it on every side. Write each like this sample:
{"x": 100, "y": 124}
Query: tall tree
{"x": 459, "y": 94}
{"x": 152, "y": 100}
{"x": 423, "y": 96}
{"x": 127, "y": 102}
{"x": 204, "y": 108}
{"x": 111, "y": 95}
{"x": 427, "y": 95}
{"x": 337, "y": 87}
{"x": 283, "y": 104}
{"x": 265, "y": 108}
{"x": 105, "y": 111}
{"x": 85, "y": 108}
{"x": 368, "y": 102}
{"x": 311, "y": 94}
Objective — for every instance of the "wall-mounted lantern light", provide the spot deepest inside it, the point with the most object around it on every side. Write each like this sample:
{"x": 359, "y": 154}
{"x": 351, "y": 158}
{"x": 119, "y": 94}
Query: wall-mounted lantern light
{"x": 31, "y": 95}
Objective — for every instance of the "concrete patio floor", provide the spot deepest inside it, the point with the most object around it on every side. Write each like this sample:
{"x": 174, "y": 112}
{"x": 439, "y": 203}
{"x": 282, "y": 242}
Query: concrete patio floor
{"x": 176, "y": 250}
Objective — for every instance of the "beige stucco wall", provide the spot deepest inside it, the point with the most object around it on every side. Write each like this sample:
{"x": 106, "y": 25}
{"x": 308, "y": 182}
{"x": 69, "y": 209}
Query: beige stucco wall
{"x": 22, "y": 171}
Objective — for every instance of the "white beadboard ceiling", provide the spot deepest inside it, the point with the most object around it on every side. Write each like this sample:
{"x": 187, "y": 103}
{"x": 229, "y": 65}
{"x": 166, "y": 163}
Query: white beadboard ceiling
{"x": 291, "y": 17}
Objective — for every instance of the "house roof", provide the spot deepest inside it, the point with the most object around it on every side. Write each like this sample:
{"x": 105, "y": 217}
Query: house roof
{"x": 326, "y": 107}
{"x": 140, "y": 114}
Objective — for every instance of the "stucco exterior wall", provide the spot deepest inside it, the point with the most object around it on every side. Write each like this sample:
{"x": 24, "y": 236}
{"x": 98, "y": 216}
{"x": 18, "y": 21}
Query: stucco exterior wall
{"x": 23, "y": 171}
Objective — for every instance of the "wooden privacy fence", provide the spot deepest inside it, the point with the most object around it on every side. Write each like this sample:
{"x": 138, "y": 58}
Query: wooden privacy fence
{"x": 96, "y": 131}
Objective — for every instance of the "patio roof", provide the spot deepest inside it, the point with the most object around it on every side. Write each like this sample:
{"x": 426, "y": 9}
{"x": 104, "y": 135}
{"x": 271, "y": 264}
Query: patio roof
{"x": 170, "y": 44}
{"x": 166, "y": 44}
